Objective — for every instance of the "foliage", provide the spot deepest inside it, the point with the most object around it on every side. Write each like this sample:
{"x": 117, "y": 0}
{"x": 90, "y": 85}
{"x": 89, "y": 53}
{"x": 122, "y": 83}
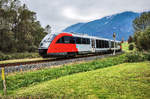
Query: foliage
{"x": 136, "y": 57}
{"x": 18, "y": 55}
{"x": 141, "y": 23}
{"x": 30, "y": 78}
{"x": 19, "y": 29}
{"x": 142, "y": 31}
{"x": 147, "y": 55}
{"x": 125, "y": 81}
{"x": 142, "y": 39}
{"x": 130, "y": 40}
{"x": 131, "y": 46}
{"x": 125, "y": 47}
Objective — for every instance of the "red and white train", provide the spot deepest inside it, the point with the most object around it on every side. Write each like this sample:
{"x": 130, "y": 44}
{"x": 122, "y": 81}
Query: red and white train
{"x": 71, "y": 44}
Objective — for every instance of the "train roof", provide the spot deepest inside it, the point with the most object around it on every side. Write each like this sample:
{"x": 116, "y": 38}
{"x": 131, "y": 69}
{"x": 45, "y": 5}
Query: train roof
{"x": 86, "y": 36}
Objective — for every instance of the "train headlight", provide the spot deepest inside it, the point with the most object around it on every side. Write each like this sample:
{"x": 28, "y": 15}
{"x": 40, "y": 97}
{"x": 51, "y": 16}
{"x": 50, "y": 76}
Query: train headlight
{"x": 45, "y": 44}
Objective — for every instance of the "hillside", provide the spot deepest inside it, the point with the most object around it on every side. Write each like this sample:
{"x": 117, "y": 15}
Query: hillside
{"x": 125, "y": 81}
{"x": 120, "y": 23}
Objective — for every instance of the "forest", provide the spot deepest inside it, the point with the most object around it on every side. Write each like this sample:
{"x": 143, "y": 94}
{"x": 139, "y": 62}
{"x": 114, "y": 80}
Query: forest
{"x": 20, "y": 31}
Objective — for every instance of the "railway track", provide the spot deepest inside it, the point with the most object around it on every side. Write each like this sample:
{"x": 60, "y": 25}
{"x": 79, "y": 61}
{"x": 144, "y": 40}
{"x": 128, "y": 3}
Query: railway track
{"x": 24, "y": 66}
{"x": 46, "y": 60}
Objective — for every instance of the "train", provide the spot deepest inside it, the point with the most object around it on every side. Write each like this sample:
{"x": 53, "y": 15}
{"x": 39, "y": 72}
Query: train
{"x": 72, "y": 44}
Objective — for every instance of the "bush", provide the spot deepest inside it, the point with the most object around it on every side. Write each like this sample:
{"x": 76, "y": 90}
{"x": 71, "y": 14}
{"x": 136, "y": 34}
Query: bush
{"x": 1, "y": 56}
{"x": 18, "y": 56}
{"x": 147, "y": 56}
{"x": 135, "y": 57}
{"x": 131, "y": 47}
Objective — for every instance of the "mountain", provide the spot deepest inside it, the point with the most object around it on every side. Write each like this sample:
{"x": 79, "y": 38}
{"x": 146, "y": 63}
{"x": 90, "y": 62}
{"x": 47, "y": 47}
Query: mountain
{"x": 120, "y": 23}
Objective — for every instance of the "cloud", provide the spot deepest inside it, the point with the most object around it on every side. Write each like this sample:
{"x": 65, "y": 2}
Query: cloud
{"x": 62, "y": 13}
{"x": 72, "y": 13}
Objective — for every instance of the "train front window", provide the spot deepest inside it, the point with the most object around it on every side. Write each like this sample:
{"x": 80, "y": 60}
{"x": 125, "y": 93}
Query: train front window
{"x": 49, "y": 38}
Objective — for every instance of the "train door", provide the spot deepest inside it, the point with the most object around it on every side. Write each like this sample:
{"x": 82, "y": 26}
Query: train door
{"x": 93, "y": 45}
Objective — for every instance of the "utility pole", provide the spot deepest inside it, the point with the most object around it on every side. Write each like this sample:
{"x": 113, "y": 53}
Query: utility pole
{"x": 114, "y": 37}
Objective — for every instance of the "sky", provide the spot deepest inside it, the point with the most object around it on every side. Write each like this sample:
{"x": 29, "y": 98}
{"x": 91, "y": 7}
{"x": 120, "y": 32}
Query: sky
{"x": 60, "y": 14}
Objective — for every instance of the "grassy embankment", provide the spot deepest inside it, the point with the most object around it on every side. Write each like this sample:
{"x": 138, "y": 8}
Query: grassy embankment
{"x": 124, "y": 81}
{"x": 26, "y": 79}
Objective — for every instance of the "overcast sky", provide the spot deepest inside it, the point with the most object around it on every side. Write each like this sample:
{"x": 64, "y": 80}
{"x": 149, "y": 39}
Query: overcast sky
{"x": 62, "y": 13}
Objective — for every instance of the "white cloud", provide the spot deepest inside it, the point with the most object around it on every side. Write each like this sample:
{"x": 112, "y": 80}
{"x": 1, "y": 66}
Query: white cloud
{"x": 62, "y": 13}
{"x": 72, "y": 13}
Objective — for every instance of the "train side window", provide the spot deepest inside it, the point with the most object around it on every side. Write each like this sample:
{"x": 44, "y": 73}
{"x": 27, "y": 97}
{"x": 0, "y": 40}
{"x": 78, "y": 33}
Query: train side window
{"x": 72, "y": 40}
{"x": 112, "y": 44}
{"x": 88, "y": 41}
{"x": 97, "y": 44}
{"x": 69, "y": 40}
{"x": 78, "y": 40}
{"x": 107, "y": 44}
{"x": 84, "y": 41}
{"x": 66, "y": 40}
{"x": 100, "y": 43}
{"x": 104, "y": 42}
{"x": 61, "y": 40}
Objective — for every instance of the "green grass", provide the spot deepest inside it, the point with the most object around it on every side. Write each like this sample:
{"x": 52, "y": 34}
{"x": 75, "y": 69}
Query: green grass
{"x": 26, "y": 79}
{"x": 124, "y": 81}
{"x": 125, "y": 46}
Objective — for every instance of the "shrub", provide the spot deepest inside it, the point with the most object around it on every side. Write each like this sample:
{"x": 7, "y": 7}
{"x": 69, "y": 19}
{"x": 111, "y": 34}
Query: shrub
{"x": 131, "y": 47}
{"x": 135, "y": 57}
{"x": 18, "y": 56}
{"x": 147, "y": 56}
{"x": 1, "y": 56}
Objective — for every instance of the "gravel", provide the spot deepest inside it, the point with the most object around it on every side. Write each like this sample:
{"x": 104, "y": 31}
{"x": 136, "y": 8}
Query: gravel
{"x": 50, "y": 64}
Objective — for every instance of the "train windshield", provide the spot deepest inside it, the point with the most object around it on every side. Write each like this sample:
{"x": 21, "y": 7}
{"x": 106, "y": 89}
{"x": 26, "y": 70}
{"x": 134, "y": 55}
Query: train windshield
{"x": 49, "y": 37}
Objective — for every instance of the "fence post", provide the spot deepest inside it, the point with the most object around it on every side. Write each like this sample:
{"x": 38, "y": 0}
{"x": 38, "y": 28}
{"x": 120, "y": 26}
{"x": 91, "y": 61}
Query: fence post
{"x": 4, "y": 82}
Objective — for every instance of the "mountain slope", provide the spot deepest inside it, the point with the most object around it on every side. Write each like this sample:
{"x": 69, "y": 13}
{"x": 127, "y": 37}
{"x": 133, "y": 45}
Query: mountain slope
{"x": 120, "y": 23}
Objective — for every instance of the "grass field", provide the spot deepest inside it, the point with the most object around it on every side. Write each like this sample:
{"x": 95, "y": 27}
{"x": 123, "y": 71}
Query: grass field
{"x": 124, "y": 81}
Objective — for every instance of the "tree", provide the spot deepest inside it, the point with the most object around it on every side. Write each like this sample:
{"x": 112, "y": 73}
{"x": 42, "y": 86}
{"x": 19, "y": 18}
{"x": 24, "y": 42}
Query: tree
{"x": 140, "y": 23}
{"x": 142, "y": 31}
{"x": 130, "y": 39}
{"x": 19, "y": 29}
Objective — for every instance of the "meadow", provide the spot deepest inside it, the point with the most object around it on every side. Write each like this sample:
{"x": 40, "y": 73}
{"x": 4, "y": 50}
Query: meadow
{"x": 124, "y": 81}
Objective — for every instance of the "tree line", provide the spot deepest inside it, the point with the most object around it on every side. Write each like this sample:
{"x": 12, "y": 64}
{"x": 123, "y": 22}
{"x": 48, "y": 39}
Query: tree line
{"x": 19, "y": 29}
